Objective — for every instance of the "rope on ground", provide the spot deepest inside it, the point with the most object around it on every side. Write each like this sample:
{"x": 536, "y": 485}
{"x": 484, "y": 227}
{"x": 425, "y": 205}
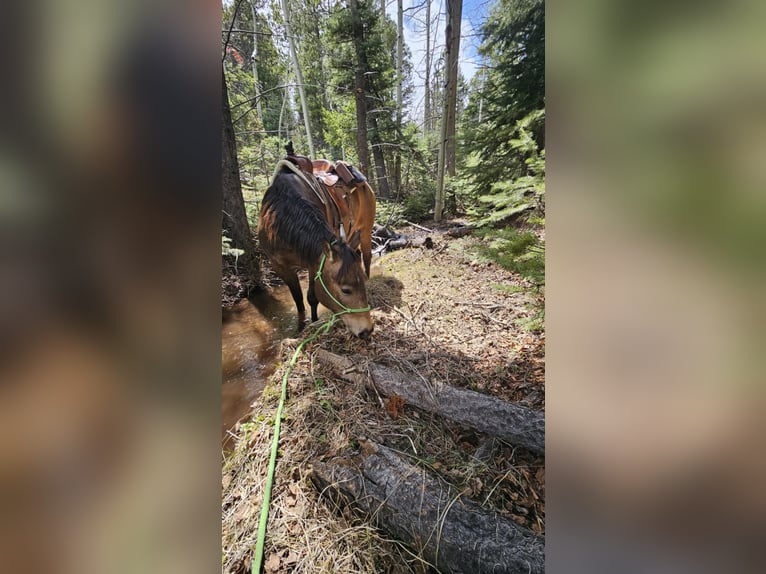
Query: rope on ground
{"x": 260, "y": 541}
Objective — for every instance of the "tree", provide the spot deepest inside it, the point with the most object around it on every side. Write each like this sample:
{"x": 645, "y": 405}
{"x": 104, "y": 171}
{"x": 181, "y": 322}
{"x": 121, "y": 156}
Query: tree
{"x": 254, "y": 61}
{"x": 234, "y": 216}
{"x": 399, "y": 86}
{"x": 299, "y": 77}
{"x": 309, "y": 23}
{"x": 427, "y": 83}
{"x": 360, "y": 84}
{"x": 447, "y": 142}
{"x": 512, "y": 87}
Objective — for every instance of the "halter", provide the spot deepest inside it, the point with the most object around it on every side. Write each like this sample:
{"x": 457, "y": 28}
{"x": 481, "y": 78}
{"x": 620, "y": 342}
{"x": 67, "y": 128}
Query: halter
{"x": 318, "y": 277}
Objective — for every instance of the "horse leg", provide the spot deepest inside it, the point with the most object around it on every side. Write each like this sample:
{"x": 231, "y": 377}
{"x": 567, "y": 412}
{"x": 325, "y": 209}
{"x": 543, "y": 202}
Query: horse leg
{"x": 290, "y": 277}
{"x": 312, "y": 298}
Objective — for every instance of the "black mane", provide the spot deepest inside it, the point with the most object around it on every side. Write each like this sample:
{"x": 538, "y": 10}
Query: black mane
{"x": 301, "y": 224}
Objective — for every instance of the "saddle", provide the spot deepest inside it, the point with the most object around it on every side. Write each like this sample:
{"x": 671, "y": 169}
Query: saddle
{"x": 327, "y": 173}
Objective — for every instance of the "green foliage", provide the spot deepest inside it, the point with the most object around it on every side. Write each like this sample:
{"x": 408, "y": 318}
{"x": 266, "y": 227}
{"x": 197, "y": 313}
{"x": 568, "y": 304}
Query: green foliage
{"x": 419, "y": 205}
{"x": 389, "y": 213}
{"x": 227, "y": 249}
{"x": 500, "y": 200}
{"x": 377, "y": 47}
{"x": 418, "y": 184}
{"x": 536, "y": 321}
{"x": 271, "y": 65}
{"x": 509, "y": 89}
{"x": 339, "y": 126}
{"x": 518, "y": 251}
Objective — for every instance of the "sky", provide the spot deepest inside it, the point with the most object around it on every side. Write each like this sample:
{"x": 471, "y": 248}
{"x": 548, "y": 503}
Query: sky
{"x": 474, "y": 14}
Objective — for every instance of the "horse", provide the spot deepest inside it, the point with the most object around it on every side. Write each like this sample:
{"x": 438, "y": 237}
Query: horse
{"x": 296, "y": 230}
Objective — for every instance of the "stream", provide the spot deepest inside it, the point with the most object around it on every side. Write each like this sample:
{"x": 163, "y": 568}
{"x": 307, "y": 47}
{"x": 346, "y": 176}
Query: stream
{"x": 250, "y": 336}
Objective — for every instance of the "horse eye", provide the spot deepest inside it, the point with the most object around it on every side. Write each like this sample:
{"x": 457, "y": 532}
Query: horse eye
{"x": 346, "y": 290}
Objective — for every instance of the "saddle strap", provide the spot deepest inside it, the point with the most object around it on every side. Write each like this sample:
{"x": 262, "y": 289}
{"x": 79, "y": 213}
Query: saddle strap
{"x": 341, "y": 203}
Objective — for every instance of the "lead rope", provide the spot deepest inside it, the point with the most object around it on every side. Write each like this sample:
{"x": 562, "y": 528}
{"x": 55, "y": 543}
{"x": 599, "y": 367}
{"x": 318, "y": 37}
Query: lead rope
{"x": 261, "y": 540}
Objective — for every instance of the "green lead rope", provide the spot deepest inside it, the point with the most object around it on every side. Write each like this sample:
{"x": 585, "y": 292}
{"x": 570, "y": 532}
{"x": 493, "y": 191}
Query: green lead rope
{"x": 261, "y": 540}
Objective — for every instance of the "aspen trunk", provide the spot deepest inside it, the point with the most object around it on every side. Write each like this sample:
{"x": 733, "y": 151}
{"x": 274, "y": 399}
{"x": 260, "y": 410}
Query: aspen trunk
{"x": 299, "y": 77}
{"x": 447, "y": 140}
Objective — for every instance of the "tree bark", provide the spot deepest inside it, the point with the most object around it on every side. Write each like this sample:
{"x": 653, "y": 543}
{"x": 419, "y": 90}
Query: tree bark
{"x": 399, "y": 82}
{"x": 381, "y": 174}
{"x": 234, "y": 216}
{"x": 453, "y": 53}
{"x": 256, "y": 82}
{"x": 516, "y": 424}
{"x": 254, "y": 57}
{"x": 427, "y": 99}
{"x": 447, "y": 142}
{"x": 299, "y": 77}
{"x": 408, "y": 502}
{"x": 360, "y": 97}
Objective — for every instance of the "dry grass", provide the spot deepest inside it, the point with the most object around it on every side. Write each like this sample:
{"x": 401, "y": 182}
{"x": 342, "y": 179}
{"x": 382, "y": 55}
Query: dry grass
{"x": 422, "y": 330}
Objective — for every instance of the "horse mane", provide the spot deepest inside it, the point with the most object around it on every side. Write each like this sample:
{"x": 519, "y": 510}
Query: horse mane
{"x": 300, "y": 223}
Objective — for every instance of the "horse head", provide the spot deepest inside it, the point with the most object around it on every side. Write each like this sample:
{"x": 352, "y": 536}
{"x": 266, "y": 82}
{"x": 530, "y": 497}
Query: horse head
{"x": 341, "y": 285}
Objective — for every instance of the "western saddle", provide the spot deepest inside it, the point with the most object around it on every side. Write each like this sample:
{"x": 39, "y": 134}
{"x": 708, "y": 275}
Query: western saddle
{"x": 326, "y": 174}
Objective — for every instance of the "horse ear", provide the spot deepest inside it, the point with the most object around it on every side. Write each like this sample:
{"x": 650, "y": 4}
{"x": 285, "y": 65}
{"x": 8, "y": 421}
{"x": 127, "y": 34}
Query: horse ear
{"x": 355, "y": 241}
{"x": 331, "y": 251}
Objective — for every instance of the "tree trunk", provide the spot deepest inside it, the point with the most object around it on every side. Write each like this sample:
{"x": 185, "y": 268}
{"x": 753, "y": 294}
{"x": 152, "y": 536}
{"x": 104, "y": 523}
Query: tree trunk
{"x": 256, "y": 83}
{"x": 234, "y": 216}
{"x": 447, "y": 141}
{"x": 439, "y": 198}
{"x": 254, "y": 57}
{"x": 399, "y": 82}
{"x": 360, "y": 96}
{"x": 299, "y": 77}
{"x": 411, "y": 504}
{"x": 282, "y": 110}
{"x": 427, "y": 100}
{"x": 514, "y": 423}
{"x": 381, "y": 174}
{"x": 455, "y": 15}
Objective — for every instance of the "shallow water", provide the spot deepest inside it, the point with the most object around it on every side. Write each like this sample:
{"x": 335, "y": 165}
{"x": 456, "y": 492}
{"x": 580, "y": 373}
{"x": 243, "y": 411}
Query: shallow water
{"x": 250, "y": 336}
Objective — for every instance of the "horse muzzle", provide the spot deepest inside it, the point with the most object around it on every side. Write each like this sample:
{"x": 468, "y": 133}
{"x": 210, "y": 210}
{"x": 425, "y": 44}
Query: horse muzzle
{"x": 360, "y": 324}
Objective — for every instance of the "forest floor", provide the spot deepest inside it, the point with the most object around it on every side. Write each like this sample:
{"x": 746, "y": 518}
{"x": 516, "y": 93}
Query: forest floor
{"x": 447, "y": 314}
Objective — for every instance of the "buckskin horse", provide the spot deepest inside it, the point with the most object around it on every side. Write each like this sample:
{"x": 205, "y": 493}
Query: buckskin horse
{"x": 302, "y": 226}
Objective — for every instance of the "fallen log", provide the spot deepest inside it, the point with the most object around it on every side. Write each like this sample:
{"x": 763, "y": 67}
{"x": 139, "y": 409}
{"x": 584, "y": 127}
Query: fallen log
{"x": 460, "y": 231}
{"x": 517, "y": 424}
{"x": 387, "y": 240}
{"x": 411, "y": 504}
{"x": 405, "y": 241}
